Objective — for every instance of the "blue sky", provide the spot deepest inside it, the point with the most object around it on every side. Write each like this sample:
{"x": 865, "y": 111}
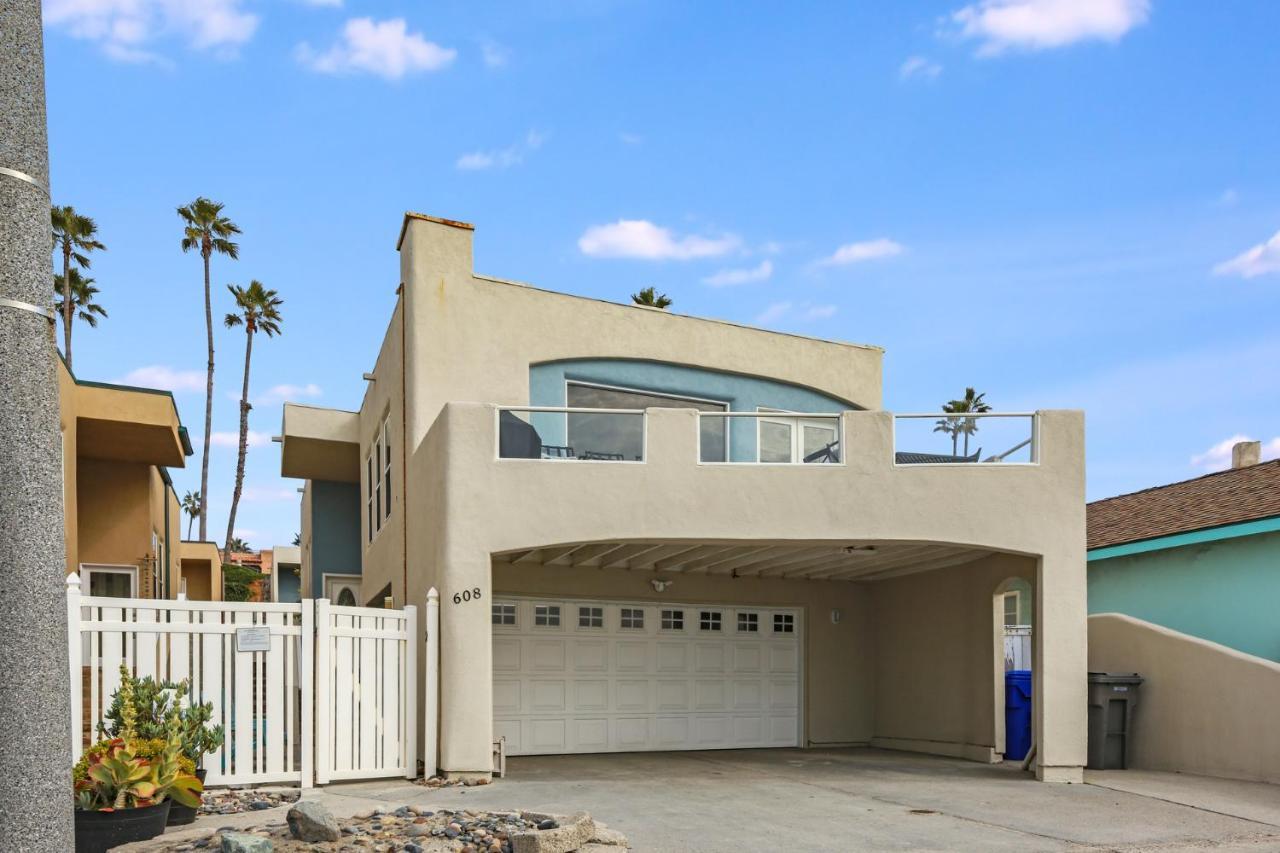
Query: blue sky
{"x": 1066, "y": 203}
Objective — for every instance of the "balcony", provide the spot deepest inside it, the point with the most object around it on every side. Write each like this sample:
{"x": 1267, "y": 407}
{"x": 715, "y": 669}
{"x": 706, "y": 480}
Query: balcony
{"x": 561, "y": 434}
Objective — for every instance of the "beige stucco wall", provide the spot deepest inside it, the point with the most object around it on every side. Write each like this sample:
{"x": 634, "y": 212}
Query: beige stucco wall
{"x": 474, "y": 505}
{"x": 938, "y": 652}
{"x": 1203, "y": 708}
{"x": 115, "y": 514}
{"x": 304, "y": 537}
{"x": 201, "y": 565}
{"x": 67, "y": 423}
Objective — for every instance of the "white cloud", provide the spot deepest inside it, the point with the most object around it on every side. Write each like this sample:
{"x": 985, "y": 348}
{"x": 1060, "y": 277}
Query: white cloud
{"x": 124, "y": 27}
{"x": 330, "y": 4}
{"x": 503, "y": 158}
{"x": 1218, "y": 457}
{"x": 820, "y": 312}
{"x": 867, "y": 250}
{"x": 385, "y": 48}
{"x": 774, "y": 312}
{"x": 1001, "y": 25}
{"x": 232, "y": 439}
{"x": 494, "y": 54}
{"x": 165, "y": 378}
{"x": 639, "y": 238}
{"x": 1229, "y": 198}
{"x": 728, "y": 278}
{"x": 1261, "y": 259}
{"x": 630, "y": 138}
{"x": 919, "y": 66}
{"x": 281, "y": 393}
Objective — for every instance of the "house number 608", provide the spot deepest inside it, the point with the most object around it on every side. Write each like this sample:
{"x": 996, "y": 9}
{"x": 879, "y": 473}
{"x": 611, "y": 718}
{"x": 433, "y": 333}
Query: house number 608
{"x": 467, "y": 595}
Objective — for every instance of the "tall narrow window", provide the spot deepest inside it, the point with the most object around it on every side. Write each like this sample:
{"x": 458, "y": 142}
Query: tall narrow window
{"x": 378, "y": 472}
{"x": 386, "y": 467}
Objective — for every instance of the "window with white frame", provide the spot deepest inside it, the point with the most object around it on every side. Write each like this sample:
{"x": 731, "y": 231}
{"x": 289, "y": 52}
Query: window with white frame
{"x": 1011, "y": 609}
{"x": 749, "y": 622}
{"x": 709, "y": 620}
{"x": 378, "y": 478}
{"x": 546, "y": 615}
{"x": 784, "y": 623}
{"x": 673, "y": 620}
{"x": 504, "y": 614}
{"x": 632, "y": 617}
{"x": 590, "y": 617}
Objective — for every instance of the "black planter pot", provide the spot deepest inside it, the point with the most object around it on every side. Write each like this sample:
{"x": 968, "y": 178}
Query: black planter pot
{"x": 97, "y": 832}
{"x": 180, "y": 815}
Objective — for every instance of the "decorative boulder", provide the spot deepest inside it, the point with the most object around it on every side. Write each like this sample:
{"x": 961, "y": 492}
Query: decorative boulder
{"x": 243, "y": 842}
{"x": 311, "y": 822}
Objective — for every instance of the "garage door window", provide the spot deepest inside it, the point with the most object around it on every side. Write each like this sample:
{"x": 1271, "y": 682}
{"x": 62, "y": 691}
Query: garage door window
{"x": 632, "y": 617}
{"x": 590, "y": 617}
{"x": 709, "y": 620}
{"x": 546, "y": 615}
{"x": 673, "y": 620}
{"x": 749, "y": 622}
{"x": 504, "y": 614}
{"x": 784, "y": 623}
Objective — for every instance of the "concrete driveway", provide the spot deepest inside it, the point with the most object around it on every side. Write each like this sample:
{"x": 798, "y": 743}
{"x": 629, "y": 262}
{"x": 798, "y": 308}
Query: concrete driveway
{"x": 857, "y": 799}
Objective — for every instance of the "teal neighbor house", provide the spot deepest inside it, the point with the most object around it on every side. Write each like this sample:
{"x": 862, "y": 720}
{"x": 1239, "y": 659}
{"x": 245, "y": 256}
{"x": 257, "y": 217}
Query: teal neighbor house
{"x": 1201, "y": 556}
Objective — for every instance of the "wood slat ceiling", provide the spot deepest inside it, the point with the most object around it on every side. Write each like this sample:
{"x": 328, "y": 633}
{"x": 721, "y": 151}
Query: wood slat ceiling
{"x": 866, "y": 561}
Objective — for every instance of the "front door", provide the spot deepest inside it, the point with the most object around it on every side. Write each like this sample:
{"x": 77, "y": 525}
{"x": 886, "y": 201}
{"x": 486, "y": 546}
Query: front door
{"x": 342, "y": 590}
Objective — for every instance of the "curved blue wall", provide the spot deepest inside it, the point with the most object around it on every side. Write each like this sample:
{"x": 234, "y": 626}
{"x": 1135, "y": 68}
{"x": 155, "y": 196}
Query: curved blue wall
{"x": 741, "y": 393}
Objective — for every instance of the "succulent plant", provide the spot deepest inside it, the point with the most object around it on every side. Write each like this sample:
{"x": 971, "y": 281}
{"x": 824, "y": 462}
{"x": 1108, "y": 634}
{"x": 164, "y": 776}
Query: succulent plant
{"x": 143, "y": 705}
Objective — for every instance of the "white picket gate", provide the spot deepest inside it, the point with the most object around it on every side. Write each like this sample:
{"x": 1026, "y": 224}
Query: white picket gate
{"x": 309, "y": 692}
{"x": 366, "y": 692}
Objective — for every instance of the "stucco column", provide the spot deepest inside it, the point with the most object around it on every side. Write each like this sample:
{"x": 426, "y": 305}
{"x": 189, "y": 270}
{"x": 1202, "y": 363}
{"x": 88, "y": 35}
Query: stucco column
{"x": 1061, "y": 666}
{"x": 466, "y": 666}
{"x": 35, "y": 761}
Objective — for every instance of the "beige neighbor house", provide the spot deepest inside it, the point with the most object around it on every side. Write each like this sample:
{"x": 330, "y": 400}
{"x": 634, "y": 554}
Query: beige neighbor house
{"x": 658, "y": 532}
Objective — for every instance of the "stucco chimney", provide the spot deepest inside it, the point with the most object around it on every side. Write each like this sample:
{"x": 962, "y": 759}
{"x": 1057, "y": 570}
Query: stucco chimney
{"x": 1246, "y": 453}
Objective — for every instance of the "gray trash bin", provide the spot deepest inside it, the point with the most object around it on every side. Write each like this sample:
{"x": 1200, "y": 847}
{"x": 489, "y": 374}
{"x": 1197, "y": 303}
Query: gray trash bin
{"x": 1112, "y": 697}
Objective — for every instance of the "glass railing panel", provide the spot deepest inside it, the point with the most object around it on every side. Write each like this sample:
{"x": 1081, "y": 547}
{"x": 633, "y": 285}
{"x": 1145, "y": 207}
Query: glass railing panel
{"x": 584, "y": 435}
{"x": 964, "y": 439}
{"x": 769, "y": 438}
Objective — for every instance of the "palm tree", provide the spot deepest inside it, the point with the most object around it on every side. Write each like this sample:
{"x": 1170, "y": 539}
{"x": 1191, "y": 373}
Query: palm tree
{"x": 259, "y": 312}
{"x": 238, "y": 544}
{"x": 651, "y": 298}
{"x": 206, "y": 230}
{"x": 75, "y": 236}
{"x": 971, "y": 403}
{"x": 191, "y": 506}
{"x": 82, "y": 304}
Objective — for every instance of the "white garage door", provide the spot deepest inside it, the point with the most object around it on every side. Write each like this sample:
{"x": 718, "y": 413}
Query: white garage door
{"x": 597, "y": 676}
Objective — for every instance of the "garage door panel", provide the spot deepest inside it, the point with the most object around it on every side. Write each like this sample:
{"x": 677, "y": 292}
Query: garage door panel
{"x": 591, "y": 695}
{"x": 548, "y": 655}
{"x": 506, "y": 696}
{"x": 673, "y": 657}
{"x": 644, "y": 685}
{"x": 591, "y": 656}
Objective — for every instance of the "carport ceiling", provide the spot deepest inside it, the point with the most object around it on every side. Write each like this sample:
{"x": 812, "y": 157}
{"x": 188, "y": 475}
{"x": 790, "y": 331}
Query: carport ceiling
{"x": 855, "y": 561}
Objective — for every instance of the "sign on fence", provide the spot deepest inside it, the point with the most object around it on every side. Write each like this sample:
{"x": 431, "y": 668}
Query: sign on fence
{"x": 304, "y": 691}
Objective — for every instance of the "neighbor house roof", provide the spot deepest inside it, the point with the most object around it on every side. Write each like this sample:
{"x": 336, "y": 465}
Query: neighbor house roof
{"x": 1226, "y": 497}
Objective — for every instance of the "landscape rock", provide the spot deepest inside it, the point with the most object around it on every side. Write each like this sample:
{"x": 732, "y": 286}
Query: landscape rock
{"x": 310, "y": 821}
{"x": 571, "y": 834}
{"x": 243, "y": 842}
{"x": 608, "y": 837}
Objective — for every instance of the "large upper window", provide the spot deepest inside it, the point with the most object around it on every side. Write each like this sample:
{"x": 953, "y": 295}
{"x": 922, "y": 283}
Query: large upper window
{"x": 378, "y": 477}
{"x": 624, "y": 437}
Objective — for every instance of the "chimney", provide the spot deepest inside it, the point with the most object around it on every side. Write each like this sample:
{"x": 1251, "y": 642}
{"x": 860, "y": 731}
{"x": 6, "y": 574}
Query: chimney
{"x": 1246, "y": 453}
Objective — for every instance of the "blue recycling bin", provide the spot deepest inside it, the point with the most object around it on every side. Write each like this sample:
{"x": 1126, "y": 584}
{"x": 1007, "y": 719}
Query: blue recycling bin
{"x": 1017, "y": 713}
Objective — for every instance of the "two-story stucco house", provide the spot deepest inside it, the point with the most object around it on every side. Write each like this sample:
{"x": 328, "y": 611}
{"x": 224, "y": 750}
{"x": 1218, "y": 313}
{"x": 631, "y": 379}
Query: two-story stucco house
{"x": 658, "y": 532}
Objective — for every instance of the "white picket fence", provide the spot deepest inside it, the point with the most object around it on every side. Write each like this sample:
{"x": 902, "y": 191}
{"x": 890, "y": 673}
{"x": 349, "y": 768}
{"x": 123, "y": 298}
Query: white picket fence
{"x": 305, "y": 692}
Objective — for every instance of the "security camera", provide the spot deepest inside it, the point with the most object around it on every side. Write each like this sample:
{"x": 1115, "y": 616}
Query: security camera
{"x": 660, "y": 585}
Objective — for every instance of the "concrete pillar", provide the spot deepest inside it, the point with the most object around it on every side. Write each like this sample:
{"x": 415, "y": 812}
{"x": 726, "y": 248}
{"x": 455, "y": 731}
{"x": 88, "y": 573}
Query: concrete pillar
{"x": 466, "y": 667}
{"x": 35, "y": 772}
{"x": 1060, "y": 672}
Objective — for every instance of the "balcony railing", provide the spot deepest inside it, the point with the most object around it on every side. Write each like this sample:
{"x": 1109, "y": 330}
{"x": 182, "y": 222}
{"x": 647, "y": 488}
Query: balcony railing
{"x": 569, "y": 434}
{"x": 769, "y": 438}
{"x": 962, "y": 439}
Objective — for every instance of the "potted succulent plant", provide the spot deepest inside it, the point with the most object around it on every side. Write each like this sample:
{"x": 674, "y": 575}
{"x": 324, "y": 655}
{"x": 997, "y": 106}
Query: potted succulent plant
{"x": 153, "y": 703}
{"x": 124, "y": 786}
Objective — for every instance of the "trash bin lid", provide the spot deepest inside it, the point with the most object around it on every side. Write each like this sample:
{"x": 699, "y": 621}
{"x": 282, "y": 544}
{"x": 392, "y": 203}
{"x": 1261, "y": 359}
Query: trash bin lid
{"x": 1115, "y": 678}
